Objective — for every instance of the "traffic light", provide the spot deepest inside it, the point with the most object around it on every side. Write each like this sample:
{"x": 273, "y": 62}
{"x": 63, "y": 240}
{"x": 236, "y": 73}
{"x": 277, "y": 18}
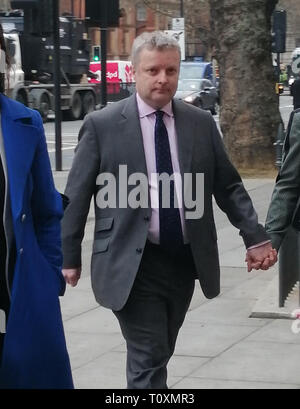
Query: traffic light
{"x": 279, "y": 31}
{"x": 278, "y": 42}
{"x": 96, "y": 53}
{"x": 106, "y": 13}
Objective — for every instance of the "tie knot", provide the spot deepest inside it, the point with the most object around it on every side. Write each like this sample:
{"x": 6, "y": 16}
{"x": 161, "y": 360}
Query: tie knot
{"x": 159, "y": 115}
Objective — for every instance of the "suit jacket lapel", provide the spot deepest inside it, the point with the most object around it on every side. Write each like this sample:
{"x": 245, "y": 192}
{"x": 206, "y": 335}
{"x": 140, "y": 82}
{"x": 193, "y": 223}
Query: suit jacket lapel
{"x": 132, "y": 136}
{"x": 185, "y": 137}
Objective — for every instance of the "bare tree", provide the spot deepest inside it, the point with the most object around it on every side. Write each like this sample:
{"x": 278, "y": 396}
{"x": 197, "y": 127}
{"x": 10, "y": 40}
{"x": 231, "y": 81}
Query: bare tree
{"x": 197, "y": 22}
{"x": 250, "y": 113}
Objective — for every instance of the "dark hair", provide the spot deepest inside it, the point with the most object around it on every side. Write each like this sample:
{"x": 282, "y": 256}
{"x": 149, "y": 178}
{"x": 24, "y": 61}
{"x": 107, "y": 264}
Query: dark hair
{"x": 3, "y": 47}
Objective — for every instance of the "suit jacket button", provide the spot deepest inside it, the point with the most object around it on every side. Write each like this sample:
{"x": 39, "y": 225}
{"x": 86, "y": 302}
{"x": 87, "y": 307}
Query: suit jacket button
{"x": 21, "y": 251}
{"x": 23, "y": 218}
{"x": 139, "y": 250}
{"x": 146, "y": 218}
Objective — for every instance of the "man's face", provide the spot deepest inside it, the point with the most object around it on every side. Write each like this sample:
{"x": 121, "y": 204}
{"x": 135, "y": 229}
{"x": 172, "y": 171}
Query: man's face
{"x": 156, "y": 75}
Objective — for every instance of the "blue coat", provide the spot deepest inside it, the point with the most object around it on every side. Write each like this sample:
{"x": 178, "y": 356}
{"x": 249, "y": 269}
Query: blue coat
{"x": 34, "y": 352}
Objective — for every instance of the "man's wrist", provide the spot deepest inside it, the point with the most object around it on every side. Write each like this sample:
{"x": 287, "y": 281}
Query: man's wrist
{"x": 259, "y": 244}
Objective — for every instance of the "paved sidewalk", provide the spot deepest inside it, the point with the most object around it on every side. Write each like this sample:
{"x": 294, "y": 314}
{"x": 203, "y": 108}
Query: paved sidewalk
{"x": 219, "y": 345}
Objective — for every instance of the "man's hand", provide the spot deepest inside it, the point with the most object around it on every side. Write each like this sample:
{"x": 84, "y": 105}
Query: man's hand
{"x": 72, "y": 275}
{"x": 261, "y": 258}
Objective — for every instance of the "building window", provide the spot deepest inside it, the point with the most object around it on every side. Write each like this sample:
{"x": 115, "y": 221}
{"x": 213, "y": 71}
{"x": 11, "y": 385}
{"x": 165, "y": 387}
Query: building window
{"x": 141, "y": 12}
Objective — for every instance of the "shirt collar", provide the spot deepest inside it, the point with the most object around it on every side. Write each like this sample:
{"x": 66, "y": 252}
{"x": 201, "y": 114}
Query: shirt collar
{"x": 145, "y": 109}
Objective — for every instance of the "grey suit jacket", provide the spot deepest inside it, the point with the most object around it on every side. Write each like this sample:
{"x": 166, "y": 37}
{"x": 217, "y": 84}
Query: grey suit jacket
{"x": 112, "y": 137}
{"x": 287, "y": 189}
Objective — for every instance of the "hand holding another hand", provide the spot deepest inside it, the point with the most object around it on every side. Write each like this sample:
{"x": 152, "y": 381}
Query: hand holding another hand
{"x": 72, "y": 275}
{"x": 261, "y": 258}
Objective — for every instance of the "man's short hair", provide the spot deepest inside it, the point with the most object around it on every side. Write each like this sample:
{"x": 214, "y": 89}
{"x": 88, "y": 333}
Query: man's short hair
{"x": 153, "y": 40}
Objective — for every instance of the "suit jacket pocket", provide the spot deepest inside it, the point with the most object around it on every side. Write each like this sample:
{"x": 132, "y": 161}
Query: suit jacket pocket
{"x": 102, "y": 234}
{"x": 105, "y": 223}
{"x": 100, "y": 245}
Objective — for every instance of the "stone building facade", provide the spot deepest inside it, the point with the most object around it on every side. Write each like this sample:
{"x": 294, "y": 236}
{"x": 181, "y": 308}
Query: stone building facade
{"x": 149, "y": 15}
{"x": 136, "y": 18}
{"x": 145, "y": 15}
{"x": 73, "y": 7}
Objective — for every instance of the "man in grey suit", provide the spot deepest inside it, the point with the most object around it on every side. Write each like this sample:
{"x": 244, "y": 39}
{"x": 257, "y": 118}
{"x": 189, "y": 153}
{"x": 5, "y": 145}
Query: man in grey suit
{"x": 148, "y": 250}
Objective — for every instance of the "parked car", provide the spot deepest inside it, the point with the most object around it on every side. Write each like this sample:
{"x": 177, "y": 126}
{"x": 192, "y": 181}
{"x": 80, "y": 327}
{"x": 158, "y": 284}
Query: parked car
{"x": 200, "y": 93}
{"x": 195, "y": 70}
{"x": 190, "y": 70}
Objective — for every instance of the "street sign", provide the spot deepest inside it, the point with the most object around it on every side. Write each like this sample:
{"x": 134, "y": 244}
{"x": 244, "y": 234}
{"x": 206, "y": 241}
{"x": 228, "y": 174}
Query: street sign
{"x": 178, "y": 23}
{"x": 179, "y": 36}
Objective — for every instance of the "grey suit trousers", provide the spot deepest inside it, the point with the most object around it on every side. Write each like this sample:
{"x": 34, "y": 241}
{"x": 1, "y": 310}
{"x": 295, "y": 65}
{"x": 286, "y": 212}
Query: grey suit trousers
{"x": 153, "y": 314}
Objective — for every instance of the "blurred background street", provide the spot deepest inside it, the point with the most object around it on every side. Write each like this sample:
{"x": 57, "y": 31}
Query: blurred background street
{"x": 70, "y": 131}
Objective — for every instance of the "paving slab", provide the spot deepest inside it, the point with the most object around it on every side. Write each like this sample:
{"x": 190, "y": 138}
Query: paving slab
{"x": 198, "y": 383}
{"x": 252, "y": 288}
{"x": 226, "y": 311}
{"x": 255, "y": 362}
{"x": 104, "y": 372}
{"x": 84, "y": 348}
{"x": 234, "y": 257}
{"x": 182, "y": 365}
{"x": 198, "y": 297}
{"x": 76, "y": 302}
{"x": 232, "y": 276}
{"x": 277, "y": 331}
{"x": 97, "y": 321}
{"x": 207, "y": 339}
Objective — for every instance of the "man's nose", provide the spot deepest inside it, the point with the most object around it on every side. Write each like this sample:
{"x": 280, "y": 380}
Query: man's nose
{"x": 162, "y": 78}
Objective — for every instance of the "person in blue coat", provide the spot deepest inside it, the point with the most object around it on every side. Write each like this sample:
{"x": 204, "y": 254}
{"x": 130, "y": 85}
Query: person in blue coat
{"x": 33, "y": 353}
